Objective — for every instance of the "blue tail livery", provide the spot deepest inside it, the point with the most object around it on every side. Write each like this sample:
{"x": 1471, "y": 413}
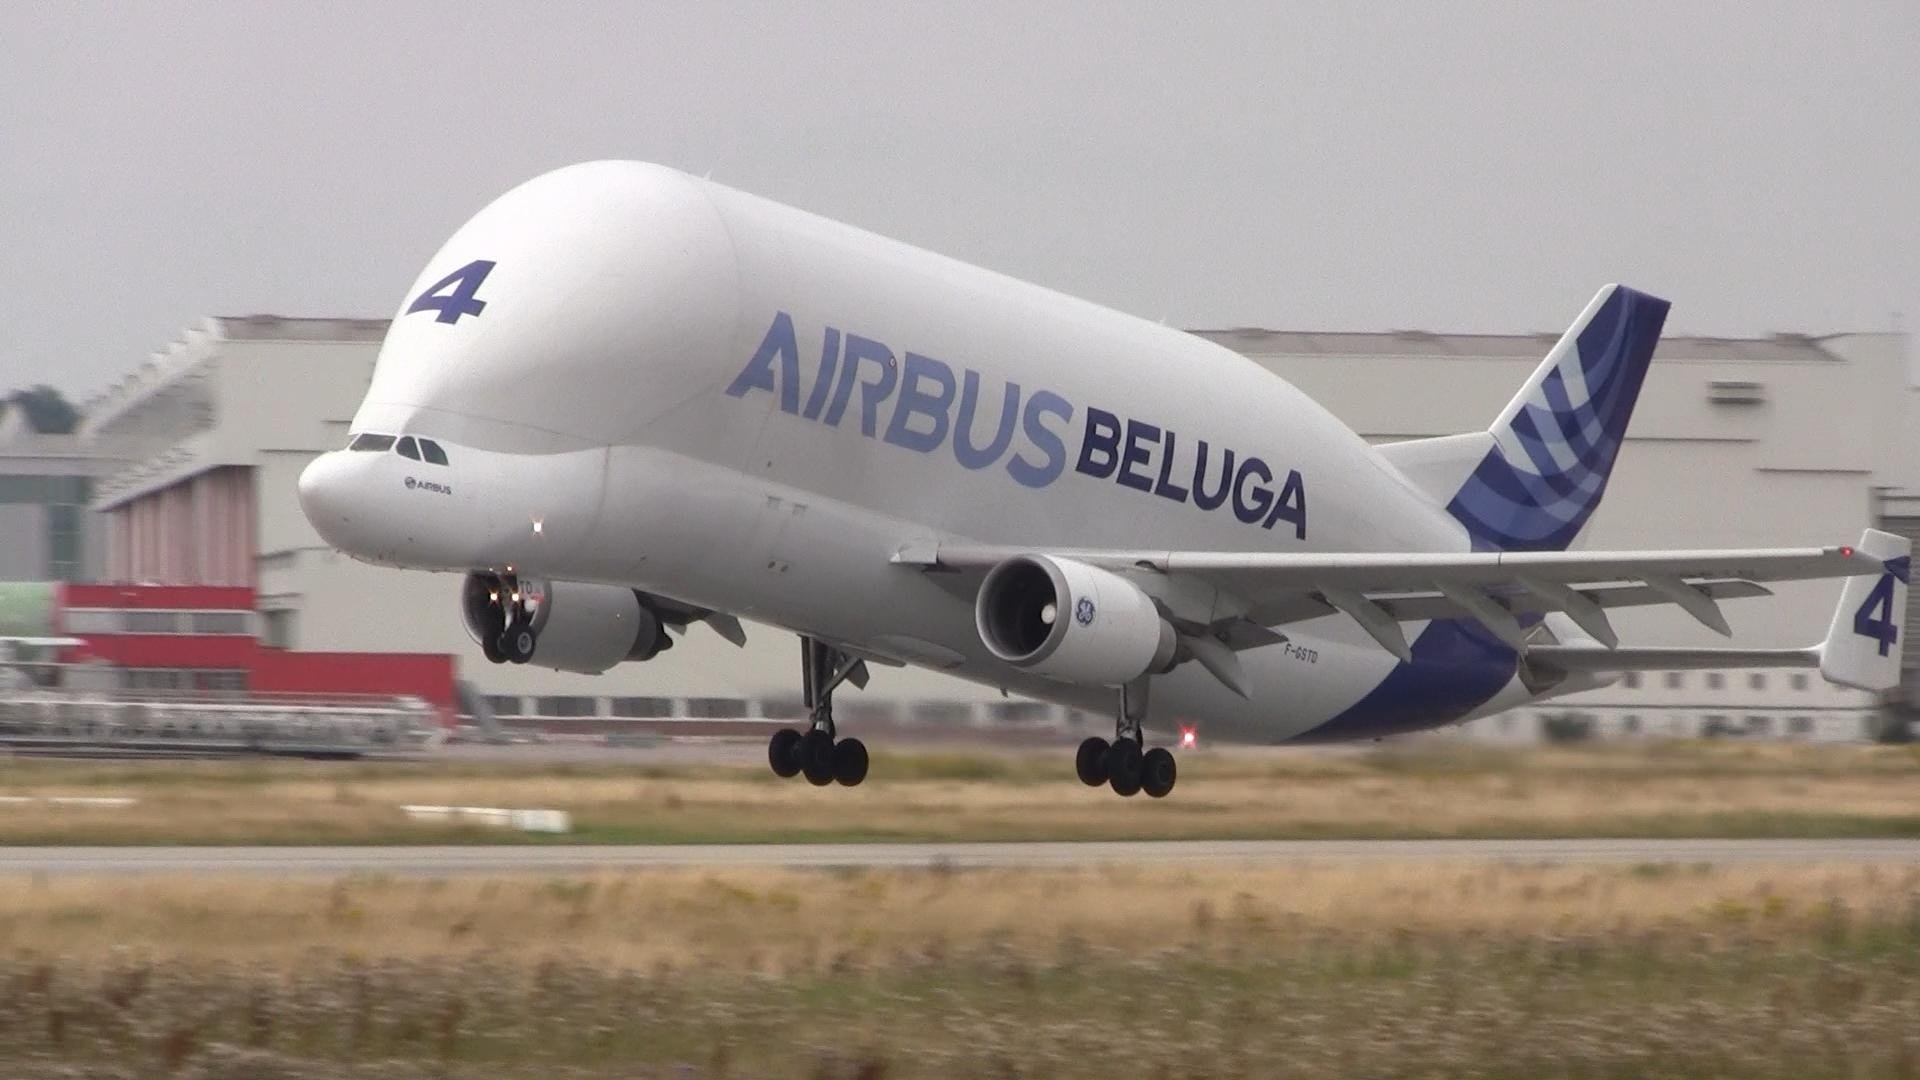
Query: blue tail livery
{"x": 1556, "y": 442}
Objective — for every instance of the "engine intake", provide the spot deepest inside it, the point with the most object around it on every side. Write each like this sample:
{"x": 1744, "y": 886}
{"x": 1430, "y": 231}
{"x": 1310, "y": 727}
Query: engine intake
{"x": 1071, "y": 621}
{"x": 582, "y": 628}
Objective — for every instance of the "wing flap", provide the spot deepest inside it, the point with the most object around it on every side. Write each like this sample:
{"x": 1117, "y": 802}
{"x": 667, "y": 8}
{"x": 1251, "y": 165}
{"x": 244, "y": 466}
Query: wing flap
{"x": 1434, "y": 606}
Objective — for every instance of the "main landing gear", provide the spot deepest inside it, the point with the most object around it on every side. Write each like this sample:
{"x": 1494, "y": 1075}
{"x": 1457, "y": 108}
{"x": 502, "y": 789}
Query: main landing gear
{"x": 816, "y": 754}
{"x": 1124, "y": 764}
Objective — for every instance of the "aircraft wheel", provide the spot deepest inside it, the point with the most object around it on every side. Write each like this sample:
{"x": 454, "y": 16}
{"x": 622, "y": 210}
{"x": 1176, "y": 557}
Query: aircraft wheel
{"x": 850, "y": 762}
{"x": 1090, "y": 762}
{"x": 1124, "y": 767}
{"x": 783, "y": 753}
{"x": 518, "y": 643}
{"x": 1157, "y": 772}
{"x": 490, "y": 648}
{"x": 816, "y": 757}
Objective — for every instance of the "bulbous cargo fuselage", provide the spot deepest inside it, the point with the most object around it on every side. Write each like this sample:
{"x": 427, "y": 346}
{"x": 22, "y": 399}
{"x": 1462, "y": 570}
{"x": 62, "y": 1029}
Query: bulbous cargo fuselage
{"x": 645, "y": 379}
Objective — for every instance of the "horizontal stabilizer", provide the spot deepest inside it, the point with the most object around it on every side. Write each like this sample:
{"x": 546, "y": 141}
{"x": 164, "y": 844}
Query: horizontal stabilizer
{"x": 1588, "y": 658}
{"x": 1861, "y": 648}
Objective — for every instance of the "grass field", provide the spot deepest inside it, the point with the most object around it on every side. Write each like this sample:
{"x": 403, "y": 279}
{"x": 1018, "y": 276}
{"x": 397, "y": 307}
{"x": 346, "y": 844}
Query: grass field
{"x": 1656, "y": 789}
{"x": 1309, "y": 971}
{"x": 1315, "y": 970}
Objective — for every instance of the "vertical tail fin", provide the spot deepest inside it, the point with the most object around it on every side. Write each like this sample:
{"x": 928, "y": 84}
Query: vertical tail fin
{"x": 1531, "y": 481}
{"x": 1555, "y": 442}
{"x": 1862, "y": 649}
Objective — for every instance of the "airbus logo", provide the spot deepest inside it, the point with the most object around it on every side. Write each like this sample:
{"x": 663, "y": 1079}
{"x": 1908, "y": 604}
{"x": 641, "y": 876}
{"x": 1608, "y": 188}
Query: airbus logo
{"x": 936, "y": 406}
{"x": 1083, "y": 611}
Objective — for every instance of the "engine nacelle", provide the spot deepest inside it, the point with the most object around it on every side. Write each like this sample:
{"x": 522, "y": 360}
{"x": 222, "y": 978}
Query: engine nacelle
{"x": 580, "y": 627}
{"x": 1070, "y": 621}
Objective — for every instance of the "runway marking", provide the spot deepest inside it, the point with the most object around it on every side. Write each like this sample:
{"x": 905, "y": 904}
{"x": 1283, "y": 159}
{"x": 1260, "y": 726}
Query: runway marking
{"x": 508, "y": 859}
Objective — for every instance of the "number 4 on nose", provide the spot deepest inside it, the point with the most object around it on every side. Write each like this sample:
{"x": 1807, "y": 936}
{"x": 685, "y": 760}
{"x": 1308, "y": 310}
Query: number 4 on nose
{"x": 453, "y": 296}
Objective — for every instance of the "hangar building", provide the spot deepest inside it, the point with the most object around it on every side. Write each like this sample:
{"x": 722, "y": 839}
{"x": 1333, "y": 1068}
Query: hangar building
{"x": 1784, "y": 440}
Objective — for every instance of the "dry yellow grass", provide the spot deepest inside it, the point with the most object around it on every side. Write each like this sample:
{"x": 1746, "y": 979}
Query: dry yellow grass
{"x": 1660, "y": 789}
{"x": 776, "y": 920}
{"x": 1333, "y": 972}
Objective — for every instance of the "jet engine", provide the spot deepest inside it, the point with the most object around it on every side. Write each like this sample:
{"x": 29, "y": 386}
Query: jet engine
{"x": 1070, "y": 621}
{"x": 579, "y": 627}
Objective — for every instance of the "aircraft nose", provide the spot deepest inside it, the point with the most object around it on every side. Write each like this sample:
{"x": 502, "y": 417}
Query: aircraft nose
{"x": 326, "y": 496}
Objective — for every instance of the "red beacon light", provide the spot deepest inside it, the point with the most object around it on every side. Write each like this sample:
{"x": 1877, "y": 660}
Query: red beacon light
{"x": 1189, "y": 738}
{"x": 1846, "y": 553}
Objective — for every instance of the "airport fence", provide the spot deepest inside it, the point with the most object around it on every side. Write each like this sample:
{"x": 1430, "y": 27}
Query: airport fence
{"x": 200, "y": 722}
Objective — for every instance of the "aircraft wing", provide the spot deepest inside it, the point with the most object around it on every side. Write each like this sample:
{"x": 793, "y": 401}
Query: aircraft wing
{"x": 1381, "y": 590}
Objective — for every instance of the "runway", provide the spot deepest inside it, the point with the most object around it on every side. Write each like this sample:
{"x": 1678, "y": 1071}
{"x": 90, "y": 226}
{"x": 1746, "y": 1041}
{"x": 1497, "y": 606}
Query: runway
{"x": 574, "y": 859}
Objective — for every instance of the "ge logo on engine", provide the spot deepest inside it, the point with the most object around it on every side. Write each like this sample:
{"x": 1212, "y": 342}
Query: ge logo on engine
{"x": 1083, "y": 612}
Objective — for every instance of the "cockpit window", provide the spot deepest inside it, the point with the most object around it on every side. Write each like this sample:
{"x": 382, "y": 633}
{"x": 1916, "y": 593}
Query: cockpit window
{"x": 432, "y": 452}
{"x": 407, "y": 449}
{"x": 369, "y": 442}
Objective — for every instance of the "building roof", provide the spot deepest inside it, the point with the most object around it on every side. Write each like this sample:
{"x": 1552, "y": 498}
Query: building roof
{"x": 299, "y": 328}
{"x": 1253, "y": 341}
{"x": 175, "y": 369}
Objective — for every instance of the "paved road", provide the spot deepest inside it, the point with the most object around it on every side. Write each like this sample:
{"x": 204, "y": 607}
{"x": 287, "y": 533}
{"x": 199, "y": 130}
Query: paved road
{"x": 71, "y": 861}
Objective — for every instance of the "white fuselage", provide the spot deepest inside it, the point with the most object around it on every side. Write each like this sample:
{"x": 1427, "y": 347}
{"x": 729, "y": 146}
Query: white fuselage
{"x": 663, "y": 383}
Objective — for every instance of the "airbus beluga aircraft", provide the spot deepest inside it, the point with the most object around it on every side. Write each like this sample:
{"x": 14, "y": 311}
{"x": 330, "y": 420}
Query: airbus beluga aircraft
{"x": 622, "y": 399}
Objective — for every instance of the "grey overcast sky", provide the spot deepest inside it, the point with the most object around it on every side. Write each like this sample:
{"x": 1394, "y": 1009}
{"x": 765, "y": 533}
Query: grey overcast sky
{"x": 1331, "y": 166}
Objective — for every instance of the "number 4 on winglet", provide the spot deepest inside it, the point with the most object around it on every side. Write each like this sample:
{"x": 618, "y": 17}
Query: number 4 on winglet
{"x": 1874, "y": 619}
{"x": 453, "y": 296}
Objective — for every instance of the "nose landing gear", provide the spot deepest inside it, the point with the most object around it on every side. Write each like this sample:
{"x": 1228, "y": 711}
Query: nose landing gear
{"x": 817, "y": 754}
{"x": 1123, "y": 764}
{"x": 517, "y": 642}
{"x": 504, "y": 623}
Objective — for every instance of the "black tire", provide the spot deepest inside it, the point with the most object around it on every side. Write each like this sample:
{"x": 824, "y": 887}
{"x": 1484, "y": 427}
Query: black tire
{"x": 850, "y": 762}
{"x": 1158, "y": 772}
{"x": 518, "y": 644}
{"x": 816, "y": 757}
{"x": 783, "y": 753}
{"x": 1124, "y": 766}
{"x": 490, "y": 648}
{"x": 1090, "y": 761}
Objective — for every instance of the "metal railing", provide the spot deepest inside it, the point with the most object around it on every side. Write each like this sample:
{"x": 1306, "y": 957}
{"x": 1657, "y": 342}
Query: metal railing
{"x": 210, "y": 722}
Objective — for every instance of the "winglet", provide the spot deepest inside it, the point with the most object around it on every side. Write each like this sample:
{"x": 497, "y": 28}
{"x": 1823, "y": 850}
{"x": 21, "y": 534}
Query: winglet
{"x": 1862, "y": 648}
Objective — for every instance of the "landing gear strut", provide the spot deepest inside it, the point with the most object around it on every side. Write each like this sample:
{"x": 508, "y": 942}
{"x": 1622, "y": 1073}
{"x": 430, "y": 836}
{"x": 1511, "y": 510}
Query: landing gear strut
{"x": 1124, "y": 764}
{"x": 817, "y": 754}
{"x": 517, "y": 640}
